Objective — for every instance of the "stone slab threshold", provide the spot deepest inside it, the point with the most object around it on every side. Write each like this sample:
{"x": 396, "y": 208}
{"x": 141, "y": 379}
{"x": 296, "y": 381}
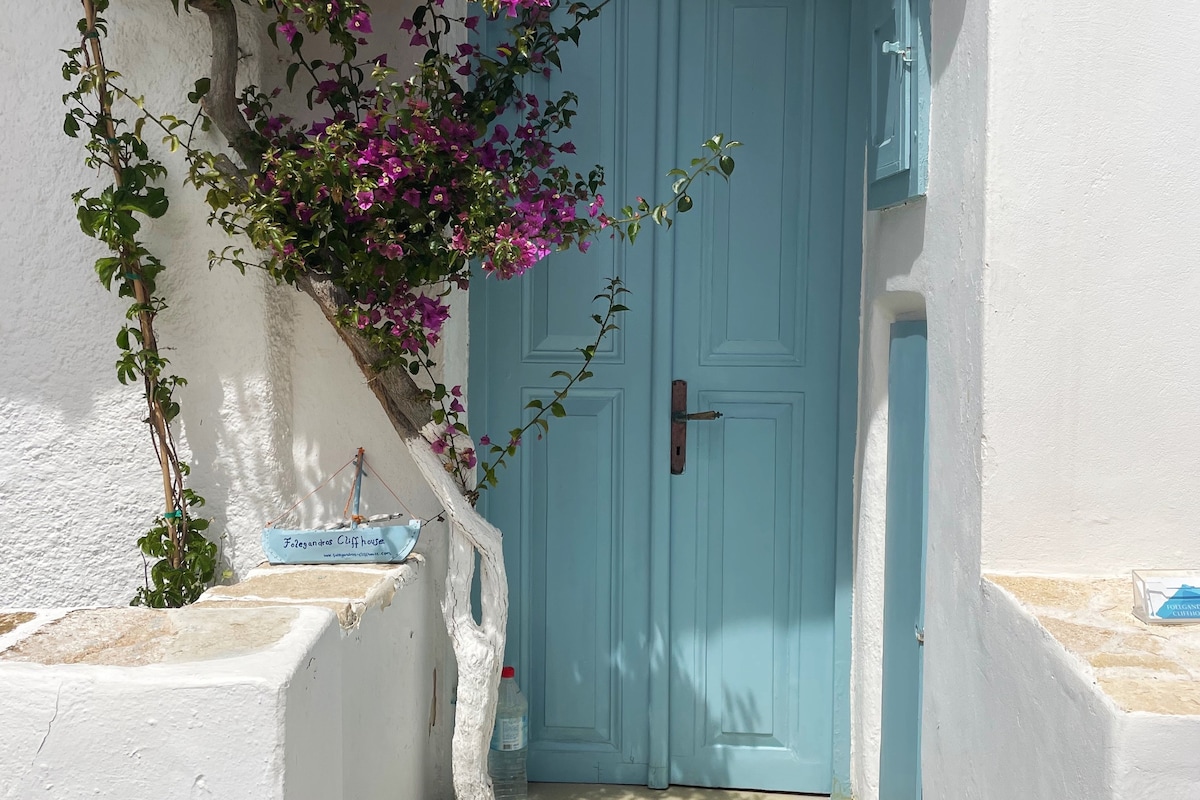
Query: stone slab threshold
{"x": 1142, "y": 668}
{"x": 573, "y": 791}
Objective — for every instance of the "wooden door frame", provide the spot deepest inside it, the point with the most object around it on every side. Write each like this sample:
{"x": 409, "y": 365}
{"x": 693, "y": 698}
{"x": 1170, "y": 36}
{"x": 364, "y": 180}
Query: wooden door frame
{"x": 663, "y": 330}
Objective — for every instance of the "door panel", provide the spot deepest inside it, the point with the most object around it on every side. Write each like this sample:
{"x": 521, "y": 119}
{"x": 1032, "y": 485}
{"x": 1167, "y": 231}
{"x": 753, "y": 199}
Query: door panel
{"x": 757, "y": 332}
{"x": 573, "y": 506}
{"x": 754, "y": 281}
{"x": 578, "y": 678}
{"x": 743, "y": 51}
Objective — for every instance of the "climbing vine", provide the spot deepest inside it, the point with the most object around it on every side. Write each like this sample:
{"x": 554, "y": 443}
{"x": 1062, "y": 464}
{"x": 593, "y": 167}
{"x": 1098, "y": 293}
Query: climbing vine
{"x": 186, "y": 560}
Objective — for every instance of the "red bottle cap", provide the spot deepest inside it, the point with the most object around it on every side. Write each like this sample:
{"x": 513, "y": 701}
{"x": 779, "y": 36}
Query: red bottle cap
{"x": 508, "y": 672}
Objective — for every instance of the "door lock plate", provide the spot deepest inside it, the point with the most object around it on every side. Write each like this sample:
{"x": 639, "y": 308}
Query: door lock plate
{"x": 679, "y": 420}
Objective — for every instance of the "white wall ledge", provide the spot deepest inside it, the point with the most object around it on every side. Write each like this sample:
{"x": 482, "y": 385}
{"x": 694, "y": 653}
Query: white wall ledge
{"x": 300, "y": 683}
{"x": 1142, "y": 668}
{"x": 1106, "y": 706}
{"x": 349, "y": 589}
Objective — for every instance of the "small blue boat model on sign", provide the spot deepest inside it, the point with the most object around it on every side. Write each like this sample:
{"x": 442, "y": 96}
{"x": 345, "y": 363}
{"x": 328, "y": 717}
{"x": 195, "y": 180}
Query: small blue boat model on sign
{"x": 354, "y": 540}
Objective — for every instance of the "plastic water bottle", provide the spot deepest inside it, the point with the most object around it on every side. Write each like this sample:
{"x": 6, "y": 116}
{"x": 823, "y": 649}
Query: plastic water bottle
{"x": 510, "y": 741}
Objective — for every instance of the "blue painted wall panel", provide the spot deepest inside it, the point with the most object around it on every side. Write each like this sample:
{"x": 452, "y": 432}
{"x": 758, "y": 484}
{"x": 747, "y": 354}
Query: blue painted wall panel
{"x": 904, "y": 562}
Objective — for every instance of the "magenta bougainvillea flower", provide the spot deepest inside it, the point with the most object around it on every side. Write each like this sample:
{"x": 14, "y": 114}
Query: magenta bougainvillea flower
{"x": 392, "y": 189}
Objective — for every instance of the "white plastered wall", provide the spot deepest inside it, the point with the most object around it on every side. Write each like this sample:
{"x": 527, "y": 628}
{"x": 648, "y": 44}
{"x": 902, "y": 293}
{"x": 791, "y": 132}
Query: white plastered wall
{"x": 78, "y": 478}
{"x": 1052, "y": 257}
{"x": 927, "y": 259}
{"x": 273, "y": 404}
{"x": 1091, "y": 368}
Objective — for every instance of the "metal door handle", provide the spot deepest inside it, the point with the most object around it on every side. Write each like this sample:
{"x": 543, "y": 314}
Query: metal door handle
{"x": 680, "y": 417}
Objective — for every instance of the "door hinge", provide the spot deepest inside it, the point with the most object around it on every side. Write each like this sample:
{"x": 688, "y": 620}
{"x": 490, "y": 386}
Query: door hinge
{"x": 920, "y": 632}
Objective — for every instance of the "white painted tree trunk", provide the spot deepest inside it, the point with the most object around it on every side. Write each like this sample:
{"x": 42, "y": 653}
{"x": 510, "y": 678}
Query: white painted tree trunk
{"x": 478, "y": 648}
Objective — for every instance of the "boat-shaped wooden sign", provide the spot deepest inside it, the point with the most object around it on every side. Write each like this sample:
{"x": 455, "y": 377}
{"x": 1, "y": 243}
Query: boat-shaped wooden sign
{"x": 378, "y": 539}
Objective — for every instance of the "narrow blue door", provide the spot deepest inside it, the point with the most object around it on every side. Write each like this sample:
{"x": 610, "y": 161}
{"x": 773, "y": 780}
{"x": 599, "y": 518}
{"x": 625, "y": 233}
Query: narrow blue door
{"x": 573, "y": 506}
{"x": 741, "y": 300}
{"x": 757, "y": 286}
{"x": 904, "y": 563}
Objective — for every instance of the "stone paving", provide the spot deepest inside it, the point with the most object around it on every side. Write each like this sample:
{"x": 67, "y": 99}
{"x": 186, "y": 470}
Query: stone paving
{"x": 1147, "y": 668}
{"x": 568, "y": 791}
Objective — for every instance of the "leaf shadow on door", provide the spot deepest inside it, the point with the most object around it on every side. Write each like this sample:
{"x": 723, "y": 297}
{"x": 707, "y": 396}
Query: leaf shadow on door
{"x": 707, "y": 737}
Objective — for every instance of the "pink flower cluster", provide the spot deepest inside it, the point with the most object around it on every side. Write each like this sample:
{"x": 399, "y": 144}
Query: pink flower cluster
{"x": 509, "y": 7}
{"x": 445, "y": 444}
{"x": 398, "y": 187}
{"x": 353, "y": 17}
{"x": 411, "y": 317}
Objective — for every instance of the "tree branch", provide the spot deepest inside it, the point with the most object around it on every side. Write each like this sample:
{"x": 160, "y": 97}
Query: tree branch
{"x": 402, "y": 400}
{"x": 221, "y": 102}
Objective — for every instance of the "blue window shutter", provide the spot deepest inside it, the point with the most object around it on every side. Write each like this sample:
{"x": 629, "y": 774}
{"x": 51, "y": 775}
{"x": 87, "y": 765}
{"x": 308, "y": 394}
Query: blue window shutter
{"x": 891, "y": 74}
{"x": 897, "y": 158}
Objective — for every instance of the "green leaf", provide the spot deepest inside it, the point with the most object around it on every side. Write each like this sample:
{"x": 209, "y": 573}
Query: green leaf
{"x": 292, "y": 69}
{"x": 685, "y": 204}
{"x": 557, "y": 410}
{"x": 202, "y": 87}
{"x": 727, "y": 165}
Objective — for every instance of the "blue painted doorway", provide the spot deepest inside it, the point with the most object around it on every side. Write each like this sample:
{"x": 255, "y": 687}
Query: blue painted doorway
{"x": 681, "y": 627}
{"x": 904, "y": 562}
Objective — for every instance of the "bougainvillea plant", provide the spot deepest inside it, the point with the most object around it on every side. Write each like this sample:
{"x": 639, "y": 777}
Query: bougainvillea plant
{"x": 384, "y": 195}
{"x": 393, "y": 188}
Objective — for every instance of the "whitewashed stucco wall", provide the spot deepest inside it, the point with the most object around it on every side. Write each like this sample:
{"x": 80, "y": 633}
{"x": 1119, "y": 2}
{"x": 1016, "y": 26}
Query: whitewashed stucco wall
{"x": 77, "y": 477}
{"x": 927, "y": 259}
{"x": 1091, "y": 370}
{"x": 273, "y": 403}
{"x": 1052, "y": 258}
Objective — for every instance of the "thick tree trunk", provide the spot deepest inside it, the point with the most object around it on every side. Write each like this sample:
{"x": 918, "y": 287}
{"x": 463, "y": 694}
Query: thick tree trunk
{"x": 478, "y": 648}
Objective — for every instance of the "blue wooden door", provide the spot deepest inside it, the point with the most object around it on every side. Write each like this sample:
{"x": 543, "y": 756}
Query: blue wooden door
{"x": 742, "y": 301}
{"x": 574, "y": 506}
{"x": 904, "y": 563}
